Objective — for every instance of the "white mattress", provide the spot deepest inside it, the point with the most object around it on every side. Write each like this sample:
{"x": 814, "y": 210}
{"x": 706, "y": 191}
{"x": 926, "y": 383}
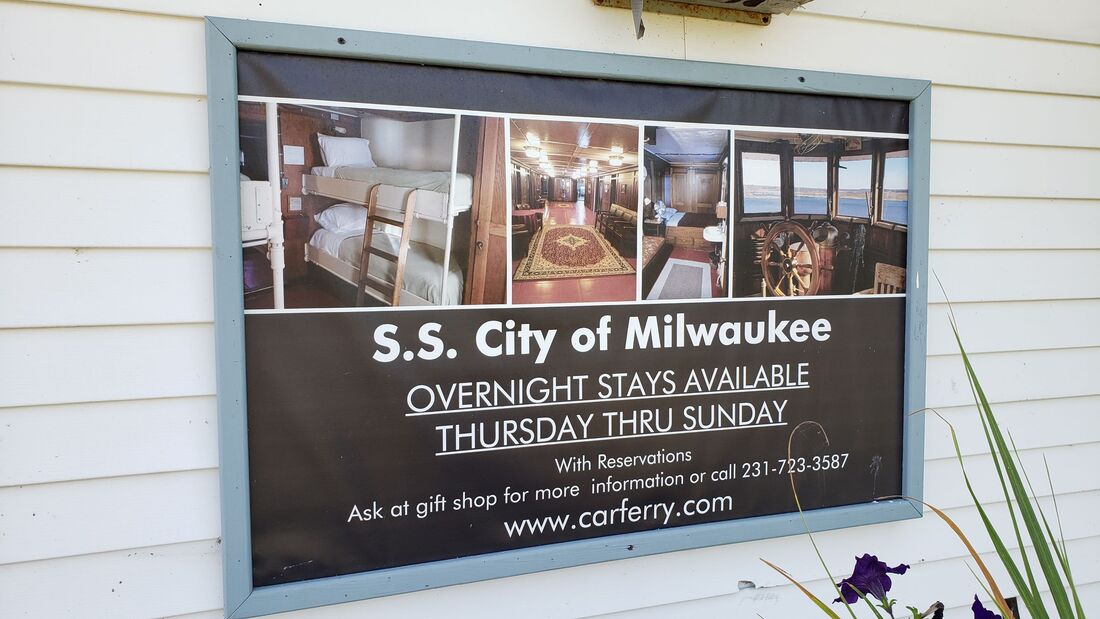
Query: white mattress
{"x": 423, "y": 264}
{"x": 431, "y": 180}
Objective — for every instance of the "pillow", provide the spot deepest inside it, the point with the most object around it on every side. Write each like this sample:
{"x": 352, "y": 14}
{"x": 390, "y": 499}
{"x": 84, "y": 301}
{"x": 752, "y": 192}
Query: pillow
{"x": 343, "y": 217}
{"x": 345, "y": 151}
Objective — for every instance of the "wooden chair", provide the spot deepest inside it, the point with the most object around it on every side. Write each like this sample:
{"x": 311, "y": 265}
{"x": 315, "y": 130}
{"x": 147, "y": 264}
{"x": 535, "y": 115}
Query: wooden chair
{"x": 889, "y": 279}
{"x": 393, "y": 206}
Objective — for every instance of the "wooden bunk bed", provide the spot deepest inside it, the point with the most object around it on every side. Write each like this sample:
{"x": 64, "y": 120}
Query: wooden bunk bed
{"x": 404, "y": 254}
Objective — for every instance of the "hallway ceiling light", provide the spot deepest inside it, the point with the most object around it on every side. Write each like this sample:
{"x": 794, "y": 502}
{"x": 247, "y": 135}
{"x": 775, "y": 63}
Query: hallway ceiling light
{"x": 543, "y": 157}
{"x": 615, "y": 161}
{"x": 616, "y": 150}
{"x": 533, "y": 138}
{"x": 532, "y": 151}
{"x": 592, "y": 164}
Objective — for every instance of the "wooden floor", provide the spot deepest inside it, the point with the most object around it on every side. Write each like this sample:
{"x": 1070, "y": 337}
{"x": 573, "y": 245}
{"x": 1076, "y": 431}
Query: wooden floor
{"x": 298, "y": 294}
{"x": 576, "y": 289}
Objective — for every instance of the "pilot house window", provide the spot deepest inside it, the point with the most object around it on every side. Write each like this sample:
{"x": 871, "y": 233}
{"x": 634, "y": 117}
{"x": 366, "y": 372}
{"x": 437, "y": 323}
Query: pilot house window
{"x": 811, "y": 185}
{"x": 895, "y": 187}
{"x": 854, "y": 186}
{"x": 760, "y": 173}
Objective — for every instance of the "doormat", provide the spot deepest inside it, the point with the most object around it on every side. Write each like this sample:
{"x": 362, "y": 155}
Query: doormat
{"x": 682, "y": 279}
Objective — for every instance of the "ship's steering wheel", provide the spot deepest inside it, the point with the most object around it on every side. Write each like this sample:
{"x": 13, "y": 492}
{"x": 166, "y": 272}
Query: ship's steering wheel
{"x": 789, "y": 261}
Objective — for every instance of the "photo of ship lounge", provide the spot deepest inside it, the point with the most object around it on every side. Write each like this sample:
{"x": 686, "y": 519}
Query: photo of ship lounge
{"x": 685, "y": 210}
{"x": 819, "y": 214}
{"x": 574, "y": 226}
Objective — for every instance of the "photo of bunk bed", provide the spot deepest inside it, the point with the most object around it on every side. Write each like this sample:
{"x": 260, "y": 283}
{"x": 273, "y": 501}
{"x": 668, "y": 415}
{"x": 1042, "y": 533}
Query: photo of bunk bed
{"x": 412, "y": 217}
{"x": 372, "y": 207}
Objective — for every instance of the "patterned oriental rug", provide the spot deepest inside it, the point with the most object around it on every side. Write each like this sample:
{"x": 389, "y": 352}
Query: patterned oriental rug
{"x": 559, "y": 252}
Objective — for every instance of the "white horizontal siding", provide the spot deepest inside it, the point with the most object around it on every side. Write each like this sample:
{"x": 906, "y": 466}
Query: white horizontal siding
{"x": 959, "y": 222}
{"x": 107, "y": 44}
{"x": 103, "y": 129}
{"x": 84, "y": 517}
{"x": 997, "y": 116}
{"x": 1075, "y": 20}
{"x": 58, "y": 207}
{"x": 54, "y": 366}
{"x": 114, "y": 286}
{"x": 992, "y": 275}
{"x": 137, "y": 582}
{"x": 946, "y": 57}
{"x": 1034, "y": 424}
{"x": 107, "y": 421}
{"x": 1015, "y": 376}
{"x": 142, "y": 436}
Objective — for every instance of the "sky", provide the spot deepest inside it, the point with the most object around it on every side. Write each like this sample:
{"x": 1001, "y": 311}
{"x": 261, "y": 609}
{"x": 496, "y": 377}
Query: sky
{"x": 896, "y": 174}
{"x": 760, "y": 171}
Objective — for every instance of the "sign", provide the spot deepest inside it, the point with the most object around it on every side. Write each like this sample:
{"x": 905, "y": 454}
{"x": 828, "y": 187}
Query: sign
{"x": 512, "y": 319}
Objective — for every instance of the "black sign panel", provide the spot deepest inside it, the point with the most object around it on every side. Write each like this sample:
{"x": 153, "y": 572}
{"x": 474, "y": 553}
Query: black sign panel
{"x": 359, "y": 464}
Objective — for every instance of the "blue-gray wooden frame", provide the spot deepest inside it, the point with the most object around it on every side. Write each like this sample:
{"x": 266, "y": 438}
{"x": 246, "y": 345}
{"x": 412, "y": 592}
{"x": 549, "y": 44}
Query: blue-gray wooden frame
{"x": 225, "y": 36}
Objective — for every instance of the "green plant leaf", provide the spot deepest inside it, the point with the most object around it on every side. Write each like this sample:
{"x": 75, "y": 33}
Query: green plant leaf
{"x": 1059, "y": 550}
{"x": 998, "y": 598}
{"x": 1033, "y": 603}
{"x": 1027, "y": 512}
{"x": 1061, "y": 535}
{"x": 1030, "y": 596}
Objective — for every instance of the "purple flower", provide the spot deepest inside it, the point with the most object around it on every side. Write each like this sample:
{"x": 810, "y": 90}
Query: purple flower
{"x": 981, "y": 612}
{"x": 870, "y": 577}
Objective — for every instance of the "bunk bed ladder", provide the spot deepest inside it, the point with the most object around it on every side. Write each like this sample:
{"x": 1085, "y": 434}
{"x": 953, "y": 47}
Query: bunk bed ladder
{"x": 393, "y": 206}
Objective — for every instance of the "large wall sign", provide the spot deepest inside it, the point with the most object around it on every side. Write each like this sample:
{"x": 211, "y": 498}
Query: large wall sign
{"x": 481, "y": 312}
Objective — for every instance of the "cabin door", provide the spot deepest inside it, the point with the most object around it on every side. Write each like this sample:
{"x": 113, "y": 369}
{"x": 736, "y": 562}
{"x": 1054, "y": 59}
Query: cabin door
{"x": 488, "y": 230}
{"x": 707, "y": 190}
{"x": 682, "y": 196}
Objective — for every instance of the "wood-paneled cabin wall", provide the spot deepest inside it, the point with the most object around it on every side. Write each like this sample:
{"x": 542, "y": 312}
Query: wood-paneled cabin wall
{"x": 527, "y": 185}
{"x": 298, "y": 126}
{"x": 696, "y": 188}
{"x": 563, "y": 189}
{"x": 613, "y": 188}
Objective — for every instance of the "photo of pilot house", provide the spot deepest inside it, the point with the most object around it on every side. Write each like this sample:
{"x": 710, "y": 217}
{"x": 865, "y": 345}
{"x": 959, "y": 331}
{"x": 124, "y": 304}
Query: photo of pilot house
{"x": 347, "y": 207}
{"x": 574, "y": 211}
{"x": 686, "y": 171}
{"x": 818, "y": 214}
